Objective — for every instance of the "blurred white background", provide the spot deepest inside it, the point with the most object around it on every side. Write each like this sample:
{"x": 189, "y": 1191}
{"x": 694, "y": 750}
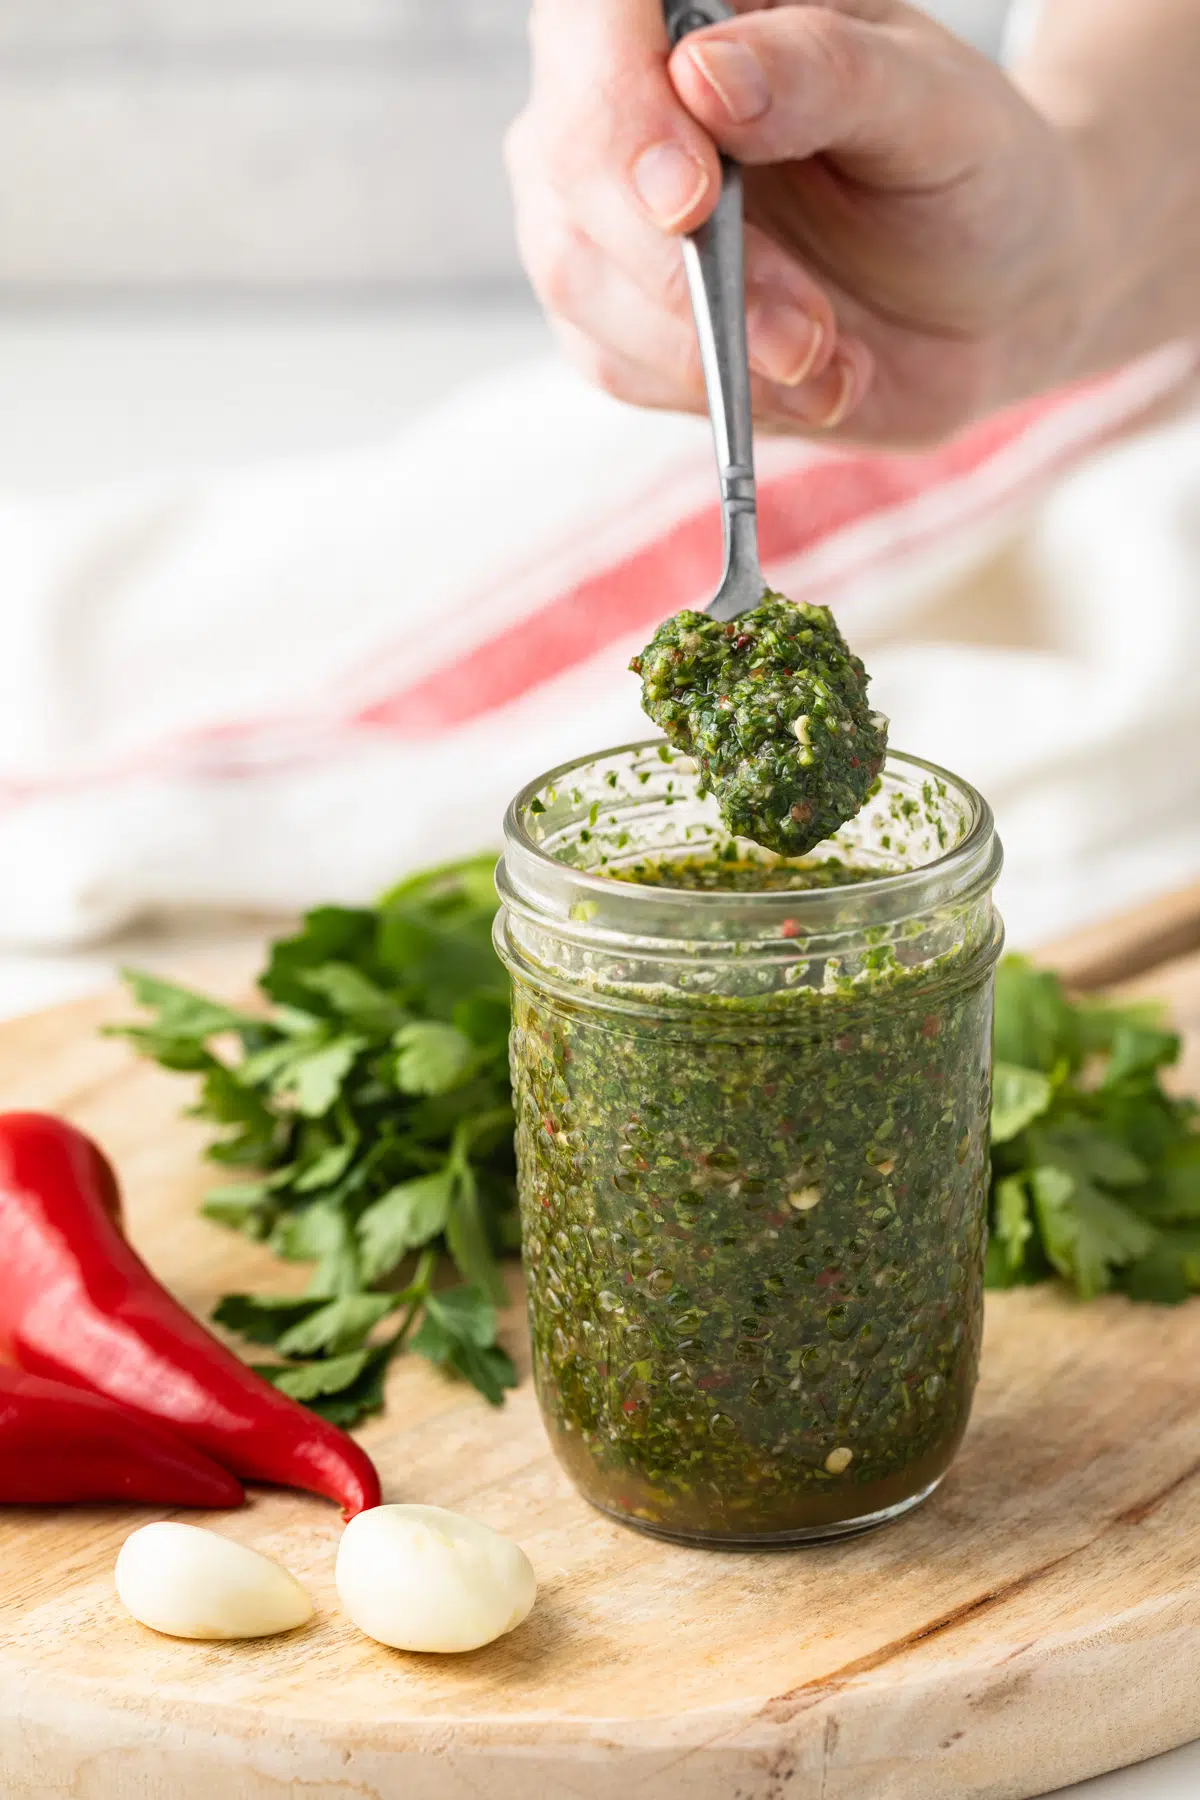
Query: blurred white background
{"x": 234, "y": 227}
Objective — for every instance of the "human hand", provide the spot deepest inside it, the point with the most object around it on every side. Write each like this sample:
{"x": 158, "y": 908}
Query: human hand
{"x": 916, "y": 241}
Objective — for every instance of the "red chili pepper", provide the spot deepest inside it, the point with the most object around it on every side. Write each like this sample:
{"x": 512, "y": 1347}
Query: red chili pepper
{"x": 60, "y": 1444}
{"x": 77, "y": 1304}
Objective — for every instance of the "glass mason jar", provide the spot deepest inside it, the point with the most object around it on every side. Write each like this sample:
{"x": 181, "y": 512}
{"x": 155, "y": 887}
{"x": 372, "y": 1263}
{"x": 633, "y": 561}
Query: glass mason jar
{"x": 752, "y": 1140}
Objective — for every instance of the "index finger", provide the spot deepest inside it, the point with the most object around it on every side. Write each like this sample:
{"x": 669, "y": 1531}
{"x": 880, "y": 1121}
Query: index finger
{"x": 609, "y": 115}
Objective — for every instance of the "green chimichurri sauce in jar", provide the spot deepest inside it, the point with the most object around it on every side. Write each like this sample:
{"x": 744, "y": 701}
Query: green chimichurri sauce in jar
{"x": 752, "y": 1100}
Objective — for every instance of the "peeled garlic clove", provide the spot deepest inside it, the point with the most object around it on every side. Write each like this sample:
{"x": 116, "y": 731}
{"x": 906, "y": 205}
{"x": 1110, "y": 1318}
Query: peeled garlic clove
{"x": 422, "y": 1578}
{"x": 192, "y": 1583}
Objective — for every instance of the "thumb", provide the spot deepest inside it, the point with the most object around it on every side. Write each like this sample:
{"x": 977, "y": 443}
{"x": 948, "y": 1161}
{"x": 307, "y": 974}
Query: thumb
{"x": 881, "y": 93}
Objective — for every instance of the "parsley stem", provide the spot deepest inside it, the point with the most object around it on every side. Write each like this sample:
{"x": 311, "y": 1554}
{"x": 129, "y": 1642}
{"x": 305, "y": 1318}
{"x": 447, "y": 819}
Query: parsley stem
{"x": 418, "y": 1289}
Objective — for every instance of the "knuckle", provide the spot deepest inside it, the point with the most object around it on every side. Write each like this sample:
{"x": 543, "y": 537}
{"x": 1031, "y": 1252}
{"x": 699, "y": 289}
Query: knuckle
{"x": 610, "y": 375}
{"x": 836, "y": 46}
{"x": 603, "y": 369}
{"x": 556, "y": 260}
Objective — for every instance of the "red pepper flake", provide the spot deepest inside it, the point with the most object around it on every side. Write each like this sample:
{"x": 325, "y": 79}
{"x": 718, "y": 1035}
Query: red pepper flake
{"x": 790, "y": 928}
{"x": 932, "y": 1026}
{"x": 629, "y": 1406}
{"x": 802, "y": 812}
{"x": 829, "y": 1278}
{"x": 740, "y": 641}
{"x": 709, "y": 1382}
{"x": 548, "y": 1125}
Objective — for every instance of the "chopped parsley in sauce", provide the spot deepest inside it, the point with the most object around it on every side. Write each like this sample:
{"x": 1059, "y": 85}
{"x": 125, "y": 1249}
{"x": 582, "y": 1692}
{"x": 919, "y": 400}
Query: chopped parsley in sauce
{"x": 773, "y": 707}
{"x": 754, "y": 1231}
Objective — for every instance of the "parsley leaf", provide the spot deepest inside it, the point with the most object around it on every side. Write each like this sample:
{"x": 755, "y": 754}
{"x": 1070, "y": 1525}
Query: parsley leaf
{"x": 365, "y": 1119}
{"x": 1095, "y": 1166}
{"x": 1013, "y": 1225}
{"x": 458, "y": 1331}
{"x": 402, "y": 1220}
{"x": 1019, "y": 1096}
{"x": 432, "y": 1057}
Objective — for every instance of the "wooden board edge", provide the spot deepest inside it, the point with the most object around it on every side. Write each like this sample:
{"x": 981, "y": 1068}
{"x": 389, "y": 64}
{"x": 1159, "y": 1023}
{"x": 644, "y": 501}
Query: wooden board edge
{"x": 1118, "y": 949}
{"x": 841, "y": 1746}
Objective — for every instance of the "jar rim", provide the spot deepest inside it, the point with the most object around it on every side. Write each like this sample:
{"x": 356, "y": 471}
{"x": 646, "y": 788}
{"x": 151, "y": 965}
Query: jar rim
{"x": 528, "y": 874}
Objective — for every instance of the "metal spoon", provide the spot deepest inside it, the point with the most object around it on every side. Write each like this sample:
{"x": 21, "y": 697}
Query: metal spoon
{"x": 715, "y": 264}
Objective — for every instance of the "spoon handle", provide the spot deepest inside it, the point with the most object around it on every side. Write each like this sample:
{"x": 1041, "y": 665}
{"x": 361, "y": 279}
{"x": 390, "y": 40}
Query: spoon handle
{"x": 715, "y": 265}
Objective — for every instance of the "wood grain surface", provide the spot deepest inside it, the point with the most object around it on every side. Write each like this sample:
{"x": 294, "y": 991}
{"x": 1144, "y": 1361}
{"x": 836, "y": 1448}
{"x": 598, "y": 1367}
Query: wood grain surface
{"x": 1037, "y": 1622}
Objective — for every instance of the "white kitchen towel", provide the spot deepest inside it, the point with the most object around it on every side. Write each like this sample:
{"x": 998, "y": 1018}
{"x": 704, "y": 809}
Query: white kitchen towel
{"x": 298, "y": 683}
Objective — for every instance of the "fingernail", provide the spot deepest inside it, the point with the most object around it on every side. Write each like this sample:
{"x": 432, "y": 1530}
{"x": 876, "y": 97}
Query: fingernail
{"x": 785, "y": 343}
{"x": 736, "y": 77}
{"x": 847, "y": 381}
{"x": 670, "y": 182}
{"x": 828, "y": 399}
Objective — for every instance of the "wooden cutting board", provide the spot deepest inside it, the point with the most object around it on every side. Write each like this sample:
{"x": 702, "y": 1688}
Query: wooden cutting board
{"x": 1038, "y": 1621}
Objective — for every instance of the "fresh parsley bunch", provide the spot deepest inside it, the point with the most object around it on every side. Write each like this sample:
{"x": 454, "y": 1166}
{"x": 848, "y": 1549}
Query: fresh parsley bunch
{"x": 368, "y": 1118}
{"x": 1095, "y": 1167}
